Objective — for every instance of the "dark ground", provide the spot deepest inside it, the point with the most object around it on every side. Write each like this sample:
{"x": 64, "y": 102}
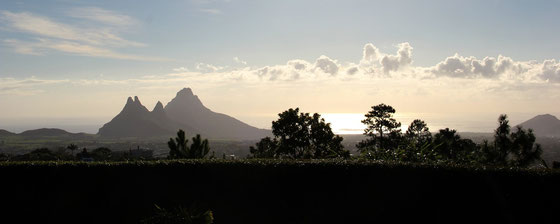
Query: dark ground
{"x": 271, "y": 192}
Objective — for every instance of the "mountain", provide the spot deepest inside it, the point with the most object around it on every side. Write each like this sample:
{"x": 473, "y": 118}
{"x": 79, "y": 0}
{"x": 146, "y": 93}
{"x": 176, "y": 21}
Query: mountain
{"x": 187, "y": 109}
{"x": 544, "y": 125}
{"x": 186, "y": 112}
{"x": 135, "y": 120}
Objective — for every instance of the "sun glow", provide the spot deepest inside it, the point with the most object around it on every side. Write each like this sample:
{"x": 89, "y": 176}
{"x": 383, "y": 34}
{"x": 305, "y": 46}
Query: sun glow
{"x": 350, "y": 123}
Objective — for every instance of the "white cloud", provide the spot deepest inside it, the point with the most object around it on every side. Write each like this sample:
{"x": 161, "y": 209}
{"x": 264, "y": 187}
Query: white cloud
{"x": 236, "y": 59}
{"x": 403, "y": 58}
{"x": 211, "y": 11}
{"x": 203, "y": 67}
{"x": 41, "y": 46}
{"x": 327, "y": 65}
{"x": 102, "y": 15}
{"x": 49, "y": 35}
{"x": 181, "y": 69}
{"x": 26, "y": 86}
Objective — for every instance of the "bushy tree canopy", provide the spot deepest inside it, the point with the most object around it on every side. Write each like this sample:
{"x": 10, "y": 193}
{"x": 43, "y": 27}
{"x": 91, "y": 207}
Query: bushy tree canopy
{"x": 300, "y": 136}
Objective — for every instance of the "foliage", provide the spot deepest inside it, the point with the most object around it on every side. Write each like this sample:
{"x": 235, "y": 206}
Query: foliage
{"x": 516, "y": 148}
{"x": 178, "y": 148}
{"x": 102, "y": 154}
{"x": 180, "y": 215}
{"x": 382, "y": 129}
{"x": 300, "y": 136}
{"x": 72, "y": 148}
{"x": 385, "y": 142}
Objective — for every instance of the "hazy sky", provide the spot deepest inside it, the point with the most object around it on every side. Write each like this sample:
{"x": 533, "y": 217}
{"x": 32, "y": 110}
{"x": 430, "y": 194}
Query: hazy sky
{"x": 458, "y": 61}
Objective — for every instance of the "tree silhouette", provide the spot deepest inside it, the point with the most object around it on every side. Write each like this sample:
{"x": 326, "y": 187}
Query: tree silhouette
{"x": 199, "y": 148}
{"x": 178, "y": 148}
{"x": 382, "y": 129}
{"x": 516, "y": 148}
{"x": 301, "y": 136}
{"x": 418, "y": 132}
{"x": 72, "y": 148}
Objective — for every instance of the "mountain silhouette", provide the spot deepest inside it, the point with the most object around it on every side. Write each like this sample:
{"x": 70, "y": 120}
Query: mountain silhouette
{"x": 135, "y": 120}
{"x": 544, "y": 125}
{"x": 186, "y": 112}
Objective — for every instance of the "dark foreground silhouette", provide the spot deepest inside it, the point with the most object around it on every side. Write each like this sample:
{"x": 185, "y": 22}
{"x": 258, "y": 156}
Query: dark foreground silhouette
{"x": 268, "y": 191}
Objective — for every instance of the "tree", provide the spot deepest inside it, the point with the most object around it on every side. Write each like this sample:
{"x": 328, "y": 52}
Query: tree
{"x": 101, "y": 154}
{"x": 382, "y": 129}
{"x": 178, "y": 148}
{"x": 265, "y": 148}
{"x": 300, "y": 136}
{"x": 516, "y": 148}
{"x": 72, "y": 148}
{"x": 199, "y": 148}
{"x": 450, "y": 146}
{"x": 418, "y": 132}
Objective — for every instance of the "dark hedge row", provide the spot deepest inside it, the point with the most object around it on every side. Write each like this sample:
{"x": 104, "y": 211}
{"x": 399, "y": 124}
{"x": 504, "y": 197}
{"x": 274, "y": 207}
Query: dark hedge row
{"x": 272, "y": 191}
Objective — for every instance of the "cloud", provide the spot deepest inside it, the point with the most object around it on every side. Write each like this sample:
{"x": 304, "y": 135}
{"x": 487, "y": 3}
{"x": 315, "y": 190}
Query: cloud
{"x": 326, "y": 65}
{"x": 550, "y": 71}
{"x": 26, "y": 86}
{"x": 203, "y": 67}
{"x": 370, "y": 54}
{"x": 41, "y": 46}
{"x": 102, "y": 15}
{"x": 181, "y": 69}
{"x": 211, "y": 11}
{"x": 403, "y": 58}
{"x": 46, "y": 35}
{"x": 489, "y": 67}
{"x": 236, "y": 59}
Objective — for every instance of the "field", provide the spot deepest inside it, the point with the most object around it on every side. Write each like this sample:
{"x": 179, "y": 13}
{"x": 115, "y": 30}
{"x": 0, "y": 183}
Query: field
{"x": 275, "y": 191}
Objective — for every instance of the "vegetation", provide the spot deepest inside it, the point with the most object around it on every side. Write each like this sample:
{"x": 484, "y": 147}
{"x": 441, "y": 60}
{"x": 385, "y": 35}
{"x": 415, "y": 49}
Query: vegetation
{"x": 386, "y": 142}
{"x": 300, "y": 136}
{"x": 180, "y": 215}
{"x": 178, "y": 148}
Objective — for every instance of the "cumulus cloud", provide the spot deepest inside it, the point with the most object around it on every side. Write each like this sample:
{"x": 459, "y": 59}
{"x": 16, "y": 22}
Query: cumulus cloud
{"x": 489, "y": 67}
{"x": 550, "y": 71}
{"x": 327, "y": 65}
{"x": 403, "y": 58}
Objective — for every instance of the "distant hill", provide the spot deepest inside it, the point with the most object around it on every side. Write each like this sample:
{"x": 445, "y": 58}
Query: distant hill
{"x": 544, "y": 125}
{"x": 45, "y": 132}
{"x": 6, "y": 133}
{"x": 186, "y": 112}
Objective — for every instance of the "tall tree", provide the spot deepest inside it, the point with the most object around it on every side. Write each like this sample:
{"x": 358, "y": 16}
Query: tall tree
{"x": 382, "y": 129}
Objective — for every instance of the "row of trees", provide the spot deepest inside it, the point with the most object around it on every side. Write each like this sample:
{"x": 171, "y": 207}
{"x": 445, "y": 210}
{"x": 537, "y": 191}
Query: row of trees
{"x": 304, "y": 136}
{"x": 387, "y": 142}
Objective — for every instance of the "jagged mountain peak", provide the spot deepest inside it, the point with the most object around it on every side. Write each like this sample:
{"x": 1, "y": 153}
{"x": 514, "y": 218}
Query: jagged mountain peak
{"x": 158, "y": 107}
{"x": 185, "y": 92}
{"x": 186, "y": 112}
{"x": 129, "y": 100}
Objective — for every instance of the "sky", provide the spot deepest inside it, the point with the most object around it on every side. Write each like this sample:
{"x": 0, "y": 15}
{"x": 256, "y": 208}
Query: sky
{"x": 456, "y": 64}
